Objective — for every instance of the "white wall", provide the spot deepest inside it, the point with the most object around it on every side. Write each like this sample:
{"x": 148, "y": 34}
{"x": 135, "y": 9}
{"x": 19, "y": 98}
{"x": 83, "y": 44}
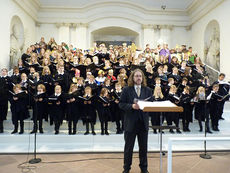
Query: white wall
{"x": 8, "y": 9}
{"x": 180, "y": 36}
{"x": 221, "y": 14}
{"x": 47, "y": 31}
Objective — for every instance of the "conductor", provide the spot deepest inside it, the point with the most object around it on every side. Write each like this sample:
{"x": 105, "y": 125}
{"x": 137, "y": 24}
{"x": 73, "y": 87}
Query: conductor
{"x": 136, "y": 121}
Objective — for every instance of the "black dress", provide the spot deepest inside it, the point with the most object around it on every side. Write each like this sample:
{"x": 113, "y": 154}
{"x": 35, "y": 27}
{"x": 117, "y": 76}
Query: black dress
{"x": 18, "y": 110}
{"x": 56, "y": 110}
{"x": 185, "y": 101}
{"x": 89, "y": 113}
{"x": 73, "y": 112}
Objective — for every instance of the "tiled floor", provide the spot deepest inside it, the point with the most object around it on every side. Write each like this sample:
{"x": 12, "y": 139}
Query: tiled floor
{"x": 113, "y": 162}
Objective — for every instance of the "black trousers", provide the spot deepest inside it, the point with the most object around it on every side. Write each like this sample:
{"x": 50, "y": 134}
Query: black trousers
{"x": 142, "y": 137}
{"x": 172, "y": 117}
{"x": 3, "y": 110}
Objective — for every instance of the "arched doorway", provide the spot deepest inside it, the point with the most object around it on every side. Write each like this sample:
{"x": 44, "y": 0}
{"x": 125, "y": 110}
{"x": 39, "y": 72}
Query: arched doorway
{"x": 16, "y": 40}
{"x": 114, "y": 36}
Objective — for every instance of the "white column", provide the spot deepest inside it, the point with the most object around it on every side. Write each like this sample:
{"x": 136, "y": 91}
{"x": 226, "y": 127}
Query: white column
{"x": 156, "y": 35}
{"x": 73, "y": 34}
{"x": 148, "y": 31}
{"x": 81, "y": 35}
{"x": 165, "y": 34}
{"x": 63, "y": 32}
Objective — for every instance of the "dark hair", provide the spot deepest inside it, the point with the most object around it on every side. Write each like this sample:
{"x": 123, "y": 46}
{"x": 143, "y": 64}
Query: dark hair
{"x": 222, "y": 74}
{"x": 130, "y": 80}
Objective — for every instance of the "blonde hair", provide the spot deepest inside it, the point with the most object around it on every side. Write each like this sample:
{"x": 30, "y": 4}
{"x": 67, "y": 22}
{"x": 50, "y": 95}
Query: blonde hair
{"x": 57, "y": 87}
{"x": 173, "y": 88}
{"x": 44, "y": 69}
{"x": 17, "y": 86}
{"x": 72, "y": 86}
{"x": 200, "y": 89}
{"x": 42, "y": 87}
{"x": 34, "y": 55}
{"x": 103, "y": 91}
{"x": 88, "y": 88}
{"x": 43, "y": 61}
{"x": 155, "y": 92}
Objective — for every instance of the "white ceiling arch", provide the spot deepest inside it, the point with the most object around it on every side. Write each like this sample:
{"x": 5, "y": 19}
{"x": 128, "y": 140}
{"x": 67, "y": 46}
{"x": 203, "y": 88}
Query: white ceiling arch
{"x": 111, "y": 9}
{"x": 115, "y": 31}
{"x": 145, "y": 4}
{"x": 185, "y": 12}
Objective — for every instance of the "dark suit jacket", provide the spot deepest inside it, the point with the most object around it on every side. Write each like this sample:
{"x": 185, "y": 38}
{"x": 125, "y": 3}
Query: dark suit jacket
{"x": 132, "y": 117}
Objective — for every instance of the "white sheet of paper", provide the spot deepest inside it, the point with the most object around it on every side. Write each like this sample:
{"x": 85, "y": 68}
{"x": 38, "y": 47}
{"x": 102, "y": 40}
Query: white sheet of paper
{"x": 166, "y": 103}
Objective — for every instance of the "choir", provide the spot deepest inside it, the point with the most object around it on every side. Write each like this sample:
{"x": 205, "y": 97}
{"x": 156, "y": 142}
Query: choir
{"x": 60, "y": 82}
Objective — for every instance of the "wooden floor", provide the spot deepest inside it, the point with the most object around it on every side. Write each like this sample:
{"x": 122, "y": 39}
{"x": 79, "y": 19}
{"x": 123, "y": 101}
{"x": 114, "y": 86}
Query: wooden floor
{"x": 112, "y": 163}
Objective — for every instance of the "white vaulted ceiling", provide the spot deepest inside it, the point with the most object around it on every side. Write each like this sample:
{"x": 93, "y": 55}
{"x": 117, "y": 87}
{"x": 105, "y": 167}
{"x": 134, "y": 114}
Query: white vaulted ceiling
{"x": 150, "y": 4}
{"x": 177, "y": 12}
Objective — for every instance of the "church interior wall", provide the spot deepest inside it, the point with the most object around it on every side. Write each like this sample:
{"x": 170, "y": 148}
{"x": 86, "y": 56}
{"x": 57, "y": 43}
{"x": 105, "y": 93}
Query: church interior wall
{"x": 47, "y": 31}
{"x": 9, "y": 9}
{"x": 178, "y": 35}
{"x": 221, "y": 15}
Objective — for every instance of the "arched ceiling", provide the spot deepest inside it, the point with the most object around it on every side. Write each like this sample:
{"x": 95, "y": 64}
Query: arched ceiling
{"x": 115, "y": 31}
{"x": 176, "y": 12}
{"x": 150, "y": 4}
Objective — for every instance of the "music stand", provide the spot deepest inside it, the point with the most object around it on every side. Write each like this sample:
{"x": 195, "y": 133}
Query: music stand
{"x": 35, "y": 159}
{"x": 205, "y": 155}
{"x": 160, "y": 107}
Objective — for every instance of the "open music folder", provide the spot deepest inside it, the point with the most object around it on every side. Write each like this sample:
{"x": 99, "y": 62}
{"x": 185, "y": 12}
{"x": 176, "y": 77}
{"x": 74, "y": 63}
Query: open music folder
{"x": 159, "y": 106}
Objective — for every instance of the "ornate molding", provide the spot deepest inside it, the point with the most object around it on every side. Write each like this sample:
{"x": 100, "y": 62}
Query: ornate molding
{"x": 38, "y": 24}
{"x": 58, "y": 25}
{"x": 201, "y": 8}
{"x": 28, "y": 7}
{"x": 170, "y": 27}
{"x": 74, "y": 25}
{"x": 188, "y": 28}
{"x": 157, "y": 27}
{"x": 147, "y": 26}
{"x": 86, "y": 25}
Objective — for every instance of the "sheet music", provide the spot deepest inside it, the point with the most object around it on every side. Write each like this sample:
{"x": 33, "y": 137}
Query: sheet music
{"x": 167, "y": 103}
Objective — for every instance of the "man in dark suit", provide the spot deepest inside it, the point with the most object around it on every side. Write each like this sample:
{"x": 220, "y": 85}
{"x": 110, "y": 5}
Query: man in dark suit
{"x": 136, "y": 121}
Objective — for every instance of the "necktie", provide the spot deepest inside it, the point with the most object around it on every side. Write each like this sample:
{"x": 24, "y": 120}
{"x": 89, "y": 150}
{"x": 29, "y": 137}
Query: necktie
{"x": 138, "y": 91}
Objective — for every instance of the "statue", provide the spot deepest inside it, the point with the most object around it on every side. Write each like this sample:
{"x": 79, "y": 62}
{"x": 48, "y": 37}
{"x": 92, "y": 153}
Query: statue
{"x": 16, "y": 45}
{"x": 212, "y": 51}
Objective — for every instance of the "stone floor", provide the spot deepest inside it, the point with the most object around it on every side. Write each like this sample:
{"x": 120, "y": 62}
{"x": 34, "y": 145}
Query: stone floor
{"x": 112, "y": 163}
{"x": 64, "y": 143}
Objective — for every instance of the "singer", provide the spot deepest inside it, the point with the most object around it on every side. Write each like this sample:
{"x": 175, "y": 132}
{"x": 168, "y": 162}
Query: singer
{"x": 136, "y": 121}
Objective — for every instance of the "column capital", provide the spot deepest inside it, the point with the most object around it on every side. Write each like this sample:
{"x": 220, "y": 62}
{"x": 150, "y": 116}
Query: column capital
{"x": 188, "y": 28}
{"x": 58, "y": 25}
{"x": 156, "y": 27}
{"x": 170, "y": 27}
{"x": 67, "y": 24}
{"x": 74, "y": 25}
{"x": 82, "y": 25}
{"x": 38, "y": 24}
{"x": 147, "y": 26}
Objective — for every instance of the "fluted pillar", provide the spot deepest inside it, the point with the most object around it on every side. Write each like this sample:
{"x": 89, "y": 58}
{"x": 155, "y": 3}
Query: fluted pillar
{"x": 63, "y": 32}
{"x": 148, "y": 33}
{"x": 81, "y": 35}
{"x": 165, "y": 33}
{"x": 73, "y": 34}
